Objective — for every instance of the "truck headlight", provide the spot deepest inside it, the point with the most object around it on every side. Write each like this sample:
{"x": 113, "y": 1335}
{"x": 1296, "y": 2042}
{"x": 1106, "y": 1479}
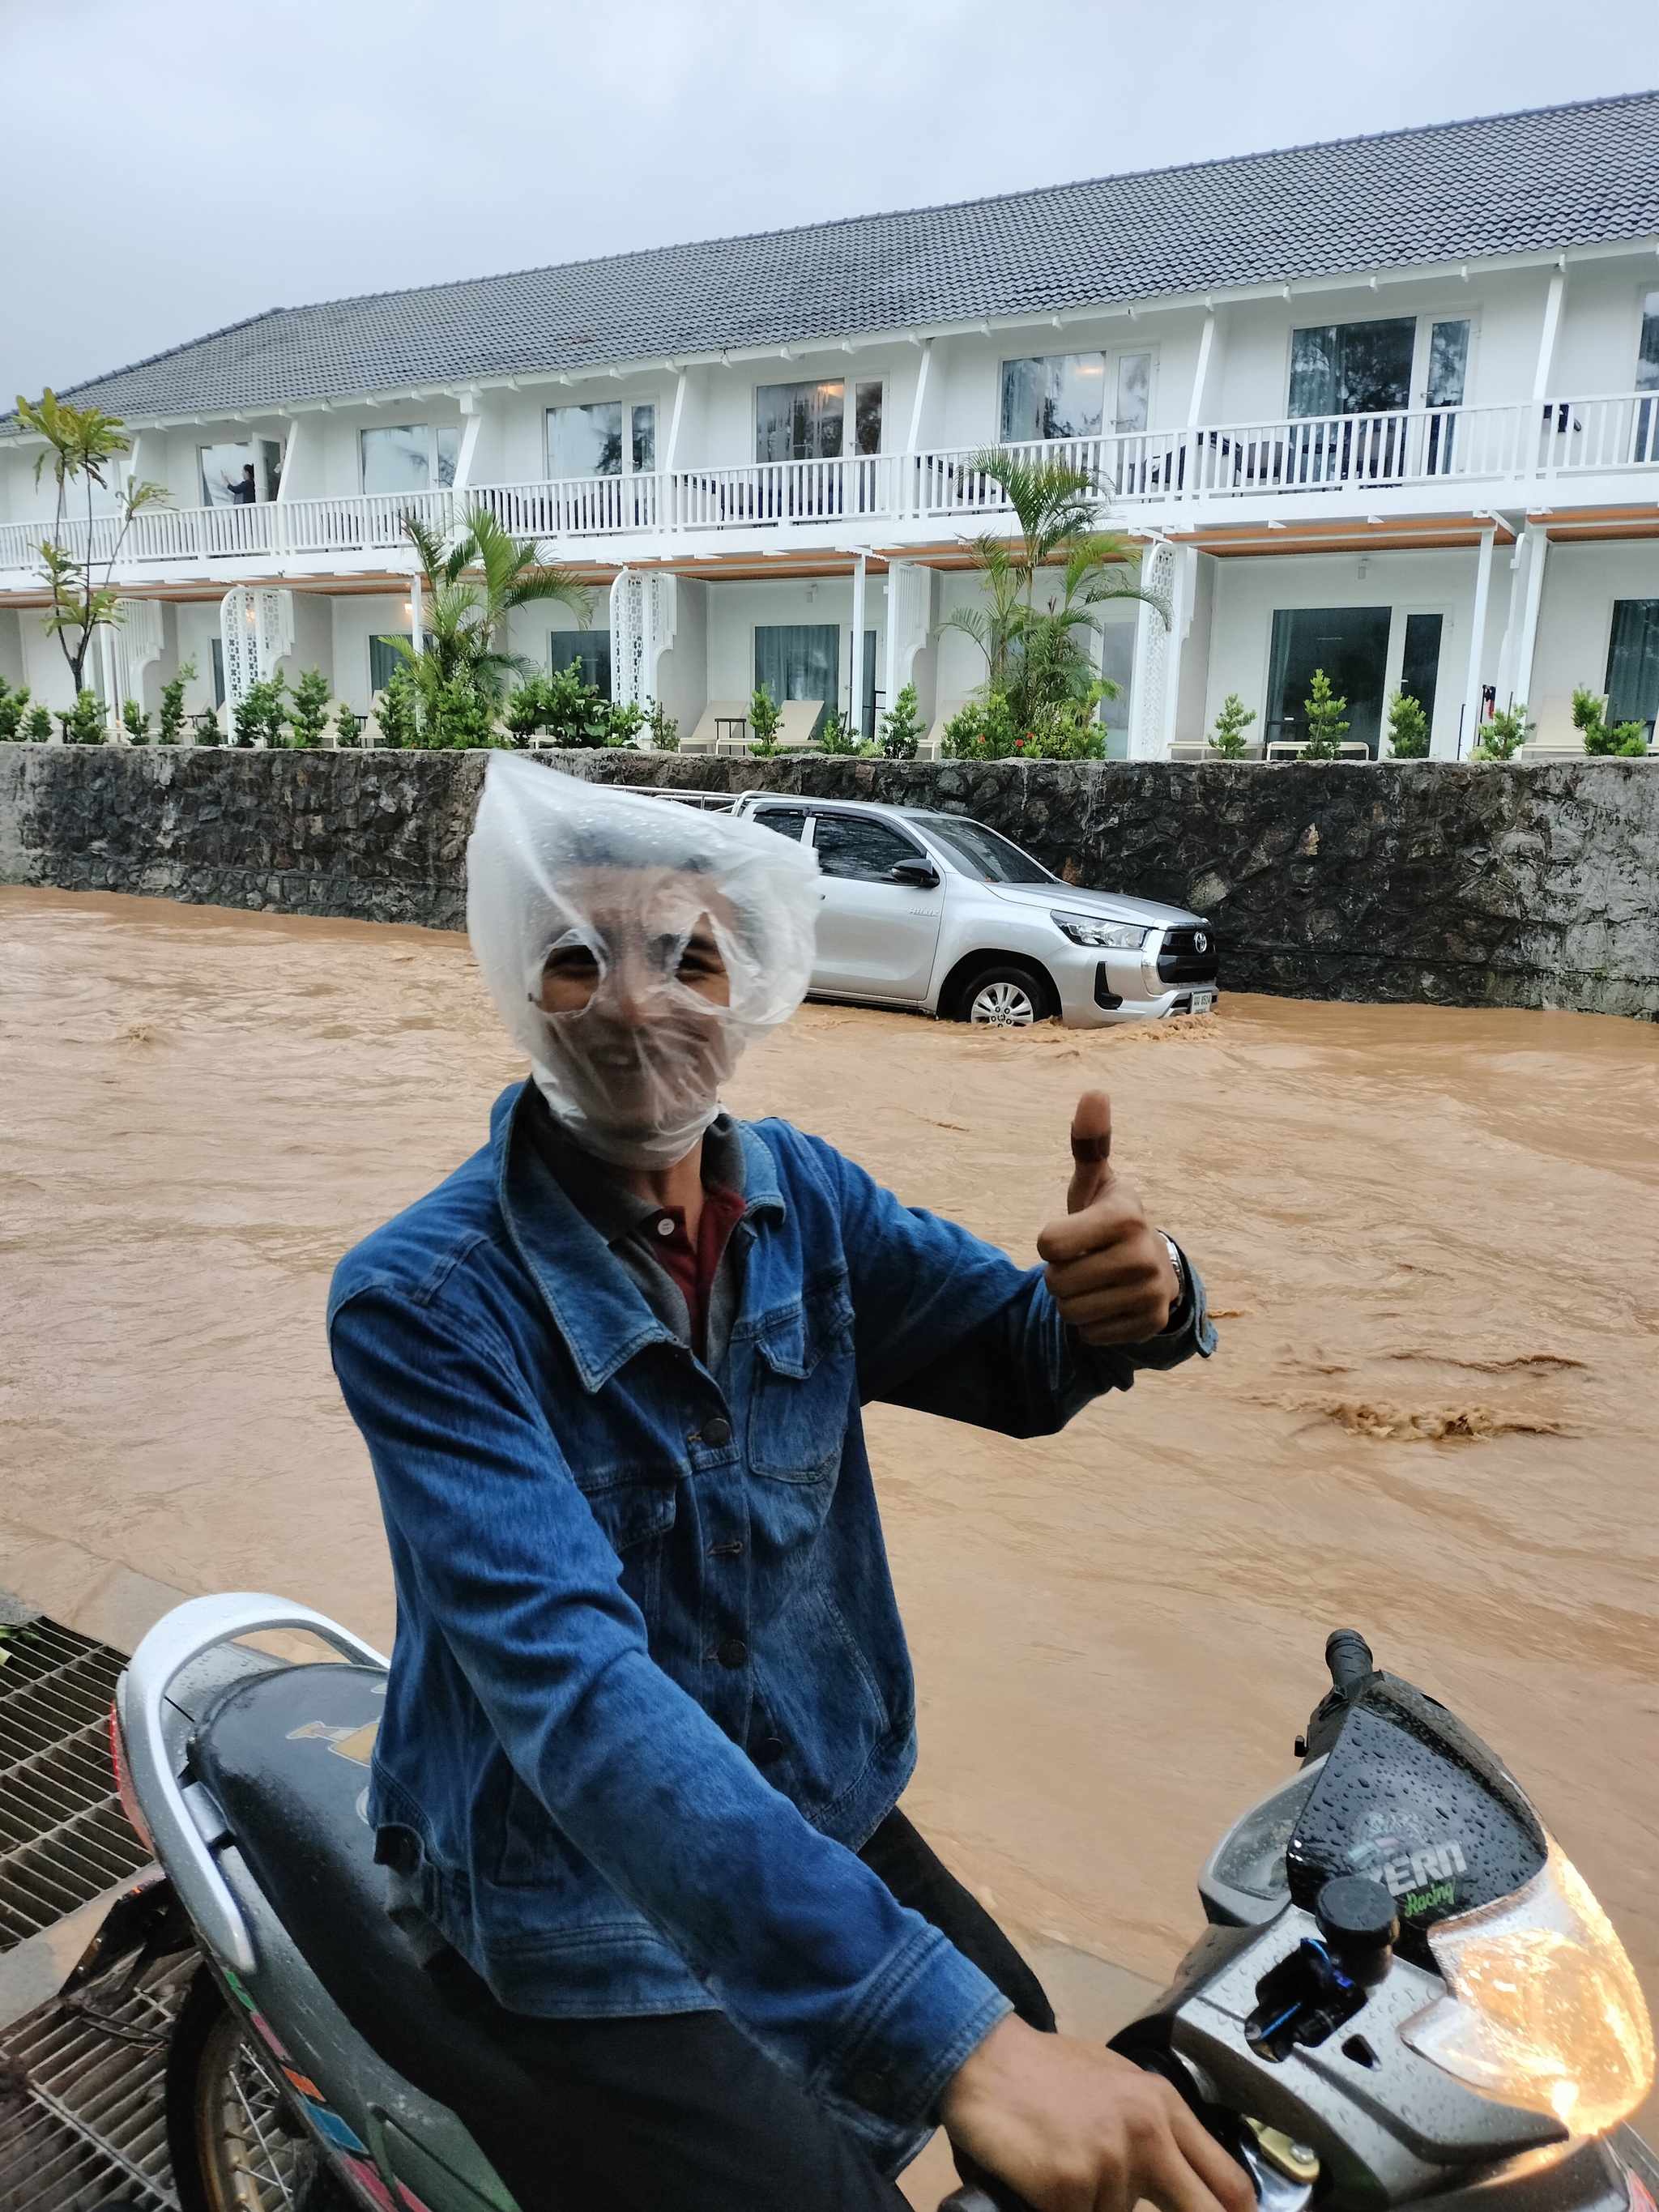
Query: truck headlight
{"x": 1543, "y": 2008}
{"x": 1090, "y": 929}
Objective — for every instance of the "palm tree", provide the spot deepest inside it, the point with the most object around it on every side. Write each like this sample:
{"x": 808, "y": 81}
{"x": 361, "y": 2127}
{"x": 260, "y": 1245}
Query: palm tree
{"x": 469, "y": 592}
{"x": 1042, "y": 656}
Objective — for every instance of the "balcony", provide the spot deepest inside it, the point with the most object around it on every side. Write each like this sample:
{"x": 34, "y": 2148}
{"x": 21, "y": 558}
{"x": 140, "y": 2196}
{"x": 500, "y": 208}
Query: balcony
{"x": 1436, "y": 459}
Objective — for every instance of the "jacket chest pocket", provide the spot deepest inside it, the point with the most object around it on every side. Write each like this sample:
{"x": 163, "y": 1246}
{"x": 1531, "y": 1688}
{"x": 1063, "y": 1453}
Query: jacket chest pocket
{"x": 806, "y": 1379}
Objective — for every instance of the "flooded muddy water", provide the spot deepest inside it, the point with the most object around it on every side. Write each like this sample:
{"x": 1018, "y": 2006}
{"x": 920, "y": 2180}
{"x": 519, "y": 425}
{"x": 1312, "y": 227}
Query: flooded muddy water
{"x": 1430, "y": 1239}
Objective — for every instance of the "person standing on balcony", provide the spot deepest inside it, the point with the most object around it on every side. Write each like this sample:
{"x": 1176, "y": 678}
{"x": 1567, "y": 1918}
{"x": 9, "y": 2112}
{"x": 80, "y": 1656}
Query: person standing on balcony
{"x": 650, "y": 1710}
{"x": 245, "y": 493}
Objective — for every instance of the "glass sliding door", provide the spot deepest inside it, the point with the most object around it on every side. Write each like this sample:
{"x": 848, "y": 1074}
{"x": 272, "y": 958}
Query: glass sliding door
{"x": 239, "y": 475}
{"x": 1350, "y": 369}
{"x": 801, "y": 660}
{"x": 1632, "y": 685}
{"x": 384, "y": 659}
{"x": 1350, "y": 644}
{"x": 1448, "y": 369}
{"x": 800, "y": 421}
{"x": 1419, "y": 668}
{"x": 588, "y": 650}
{"x": 585, "y": 441}
{"x": 1054, "y": 395}
{"x": 409, "y": 456}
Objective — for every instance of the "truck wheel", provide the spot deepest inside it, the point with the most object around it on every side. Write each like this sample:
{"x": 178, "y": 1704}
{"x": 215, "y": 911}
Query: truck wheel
{"x": 1003, "y": 997}
{"x": 233, "y": 2144}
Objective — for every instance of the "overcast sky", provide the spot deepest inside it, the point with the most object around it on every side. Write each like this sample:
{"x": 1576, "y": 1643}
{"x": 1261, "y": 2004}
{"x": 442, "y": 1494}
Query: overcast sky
{"x": 168, "y": 167}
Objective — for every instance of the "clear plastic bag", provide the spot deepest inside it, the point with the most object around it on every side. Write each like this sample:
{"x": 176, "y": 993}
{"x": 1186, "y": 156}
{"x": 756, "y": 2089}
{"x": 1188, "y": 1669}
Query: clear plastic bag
{"x": 555, "y": 862}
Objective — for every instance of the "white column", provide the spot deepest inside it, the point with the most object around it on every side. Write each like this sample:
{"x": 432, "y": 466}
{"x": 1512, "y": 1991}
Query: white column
{"x": 1469, "y": 735}
{"x": 1540, "y": 545}
{"x": 1157, "y": 574}
{"x": 890, "y": 673}
{"x": 671, "y": 453}
{"x": 415, "y": 626}
{"x": 1200, "y": 375}
{"x": 1180, "y": 621}
{"x": 856, "y": 705}
{"x": 1540, "y": 382}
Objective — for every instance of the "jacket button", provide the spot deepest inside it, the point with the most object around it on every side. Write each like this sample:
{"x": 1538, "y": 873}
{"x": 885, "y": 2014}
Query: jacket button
{"x": 718, "y": 1430}
{"x": 768, "y": 1752}
{"x": 734, "y": 1652}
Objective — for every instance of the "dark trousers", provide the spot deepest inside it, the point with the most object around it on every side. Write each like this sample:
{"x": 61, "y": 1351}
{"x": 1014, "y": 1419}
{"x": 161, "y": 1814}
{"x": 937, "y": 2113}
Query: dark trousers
{"x": 684, "y": 2111}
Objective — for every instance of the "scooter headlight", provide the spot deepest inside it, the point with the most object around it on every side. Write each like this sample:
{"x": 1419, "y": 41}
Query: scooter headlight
{"x": 1543, "y": 2008}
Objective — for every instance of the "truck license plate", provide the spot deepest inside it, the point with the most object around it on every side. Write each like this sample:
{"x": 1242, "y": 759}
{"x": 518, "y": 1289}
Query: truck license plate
{"x": 1202, "y": 1001}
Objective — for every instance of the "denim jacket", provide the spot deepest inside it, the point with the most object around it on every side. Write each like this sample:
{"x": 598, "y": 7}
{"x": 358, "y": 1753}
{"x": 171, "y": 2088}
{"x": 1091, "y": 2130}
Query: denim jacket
{"x": 650, "y": 1691}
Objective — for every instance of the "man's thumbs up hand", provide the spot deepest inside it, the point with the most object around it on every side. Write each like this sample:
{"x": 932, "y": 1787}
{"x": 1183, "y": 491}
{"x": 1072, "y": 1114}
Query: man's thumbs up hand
{"x": 1109, "y": 1271}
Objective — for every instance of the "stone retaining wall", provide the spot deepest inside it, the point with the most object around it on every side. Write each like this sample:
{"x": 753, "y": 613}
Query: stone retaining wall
{"x": 1456, "y": 884}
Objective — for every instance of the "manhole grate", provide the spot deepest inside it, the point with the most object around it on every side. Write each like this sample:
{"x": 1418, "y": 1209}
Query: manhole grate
{"x": 82, "y": 2095}
{"x": 63, "y": 1838}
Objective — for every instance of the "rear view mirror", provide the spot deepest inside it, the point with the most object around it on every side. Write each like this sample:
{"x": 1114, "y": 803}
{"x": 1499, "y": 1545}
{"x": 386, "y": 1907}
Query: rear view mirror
{"x": 922, "y": 874}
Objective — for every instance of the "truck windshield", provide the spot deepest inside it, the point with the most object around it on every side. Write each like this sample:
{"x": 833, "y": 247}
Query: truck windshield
{"x": 981, "y": 852}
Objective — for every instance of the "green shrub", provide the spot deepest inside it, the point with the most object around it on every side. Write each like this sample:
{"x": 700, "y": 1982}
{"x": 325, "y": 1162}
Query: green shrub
{"x": 206, "y": 726}
{"x": 982, "y": 730}
{"x": 664, "y": 730}
{"x": 576, "y": 717}
{"x": 902, "y": 728}
{"x": 1622, "y": 740}
{"x": 1323, "y": 715}
{"x": 12, "y": 706}
{"x": 261, "y": 716}
{"x": 310, "y": 710}
{"x": 395, "y": 711}
{"x": 37, "y": 724}
{"x": 1504, "y": 735}
{"x": 171, "y": 720}
{"x": 347, "y": 735}
{"x": 626, "y": 721}
{"x": 1227, "y": 737}
{"x": 765, "y": 715}
{"x": 1408, "y": 728}
{"x": 835, "y": 733}
{"x": 135, "y": 722}
{"x": 84, "y": 724}
{"x": 527, "y": 708}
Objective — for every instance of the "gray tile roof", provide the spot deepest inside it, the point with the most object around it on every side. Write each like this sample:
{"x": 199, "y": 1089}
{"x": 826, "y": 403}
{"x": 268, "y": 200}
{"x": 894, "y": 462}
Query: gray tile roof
{"x": 1505, "y": 184}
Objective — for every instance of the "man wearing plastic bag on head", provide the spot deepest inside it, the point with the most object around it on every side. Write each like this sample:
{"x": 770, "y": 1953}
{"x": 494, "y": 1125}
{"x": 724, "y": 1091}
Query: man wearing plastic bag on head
{"x": 650, "y": 1710}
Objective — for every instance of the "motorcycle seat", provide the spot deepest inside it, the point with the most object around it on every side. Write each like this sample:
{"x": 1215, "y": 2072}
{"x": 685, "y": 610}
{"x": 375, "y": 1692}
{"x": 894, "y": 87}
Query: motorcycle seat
{"x": 285, "y": 1756}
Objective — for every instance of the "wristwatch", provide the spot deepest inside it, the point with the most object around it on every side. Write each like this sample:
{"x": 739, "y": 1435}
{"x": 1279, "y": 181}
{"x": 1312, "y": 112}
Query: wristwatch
{"x": 1178, "y": 1303}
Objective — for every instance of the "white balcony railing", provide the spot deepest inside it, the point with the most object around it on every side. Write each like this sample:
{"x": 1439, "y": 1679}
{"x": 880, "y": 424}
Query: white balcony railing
{"x": 1526, "y": 444}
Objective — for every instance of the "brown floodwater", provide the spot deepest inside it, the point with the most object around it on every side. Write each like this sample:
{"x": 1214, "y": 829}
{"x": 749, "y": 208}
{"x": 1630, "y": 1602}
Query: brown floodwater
{"x": 1429, "y": 1238}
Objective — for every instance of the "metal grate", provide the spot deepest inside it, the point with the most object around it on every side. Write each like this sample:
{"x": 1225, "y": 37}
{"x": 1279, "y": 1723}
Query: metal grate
{"x": 63, "y": 1838}
{"x": 82, "y": 2096}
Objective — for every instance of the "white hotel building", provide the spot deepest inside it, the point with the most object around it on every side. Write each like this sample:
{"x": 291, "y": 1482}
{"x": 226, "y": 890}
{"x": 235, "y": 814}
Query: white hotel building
{"x": 1389, "y": 407}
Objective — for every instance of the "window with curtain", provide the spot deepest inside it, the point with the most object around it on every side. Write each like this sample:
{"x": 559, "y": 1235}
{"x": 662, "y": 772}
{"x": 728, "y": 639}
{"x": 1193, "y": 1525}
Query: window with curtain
{"x": 1633, "y": 684}
{"x": 384, "y": 657}
{"x": 409, "y": 456}
{"x": 585, "y": 441}
{"x": 1354, "y": 368}
{"x": 800, "y": 421}
{"x": 1059, "y": 395}
{"x": 799, "y": 660}
{"x": 590, "y": 649}
{"x": 1350, "y": 644}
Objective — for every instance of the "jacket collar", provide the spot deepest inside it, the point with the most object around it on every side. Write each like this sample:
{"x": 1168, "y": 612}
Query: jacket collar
{"x": 591, "y": 1301}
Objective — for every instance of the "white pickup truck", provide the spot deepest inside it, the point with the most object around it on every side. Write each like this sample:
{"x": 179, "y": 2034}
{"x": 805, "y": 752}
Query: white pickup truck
{"x": 937, "y": 914}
